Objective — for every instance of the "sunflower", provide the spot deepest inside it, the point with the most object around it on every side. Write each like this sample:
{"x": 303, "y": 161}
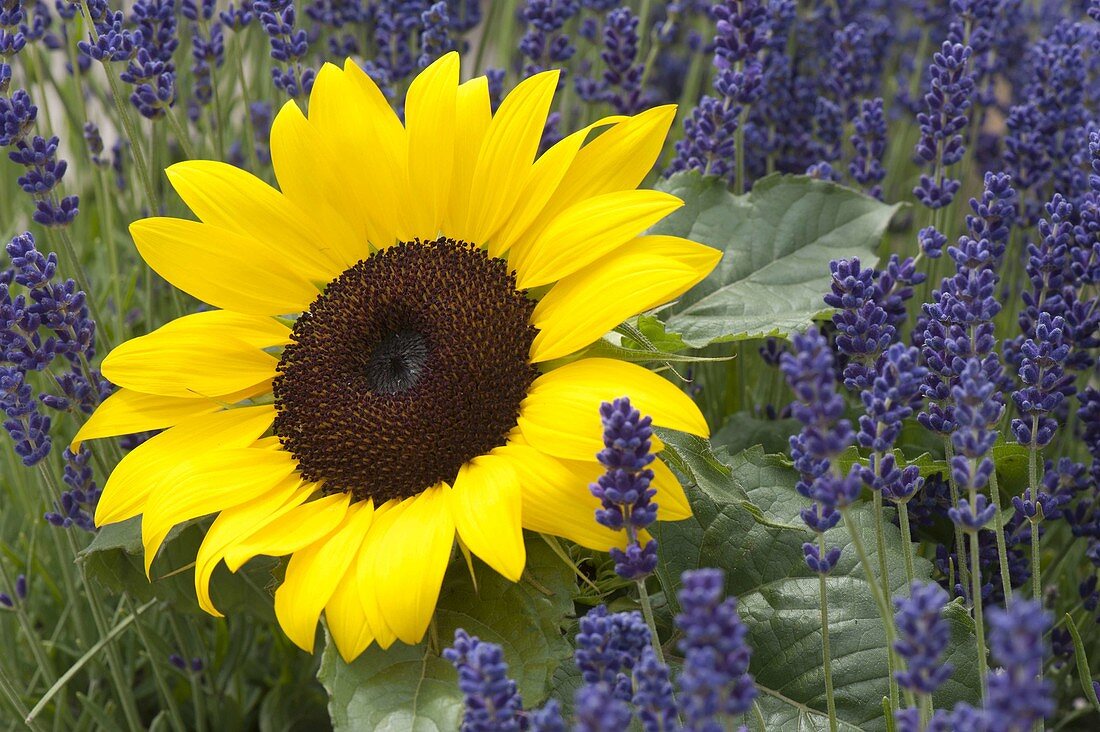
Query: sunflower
{"x": 386, "y": 368}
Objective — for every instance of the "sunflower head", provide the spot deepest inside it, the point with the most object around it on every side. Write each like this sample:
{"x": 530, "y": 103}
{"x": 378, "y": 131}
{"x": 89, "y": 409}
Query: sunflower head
{"x": 392, "y": 361}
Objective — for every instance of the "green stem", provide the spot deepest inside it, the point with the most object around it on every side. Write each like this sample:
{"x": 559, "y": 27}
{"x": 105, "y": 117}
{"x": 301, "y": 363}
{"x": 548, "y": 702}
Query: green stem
{"x": 114, "y": 662}
{"x": 128, "y": 125}
{"x": 162, "y": 685}
{"x": 9, "y": 692}
{"x": 999, "y": 532}
{"x": 826, "y": 655}
{"x": 180, "y": 133}
{"x": 976, "y": 600}
{"x": 1033, "y": 484}
{"x": 880, "y": 544}
{"x": 907, "y": 541}
{"x": 883, "y": 605}
{"x": 960, "y": 547}
{"x": 45, "y": 665}
{"x": 250, "y": 131}
{"x": 647, "y": 613}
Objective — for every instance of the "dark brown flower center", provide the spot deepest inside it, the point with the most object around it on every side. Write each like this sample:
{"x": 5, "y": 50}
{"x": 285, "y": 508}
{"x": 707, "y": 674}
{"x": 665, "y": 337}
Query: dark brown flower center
{"x": 411, "y": 363}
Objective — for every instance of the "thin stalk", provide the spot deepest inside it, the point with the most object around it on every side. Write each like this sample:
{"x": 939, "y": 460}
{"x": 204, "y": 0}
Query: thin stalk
{"x": 999, "y": 532}
{"x": 880, "y": 544}
{"x": 9, "y": 692}
{"x": 198, "y": 696}
{"x": 127, "y": 122}
{"x": 250, "y": 131}
{"x": 114, "y": 661}
{"x": 976, "y": 599}
{"x": 180, "y": 132}
{"x": 1033, "y": 484}
{"x": 162, "y": 685}
{"x": 647, "y": 613}
{"x": 880, "y": 600}
{"x": 45, "y": 665}
{"x": 109, "y": 240}
{"x": 906, "y": 540}
{"x": 826, "y": 654}
{"x": 960, "y": 547}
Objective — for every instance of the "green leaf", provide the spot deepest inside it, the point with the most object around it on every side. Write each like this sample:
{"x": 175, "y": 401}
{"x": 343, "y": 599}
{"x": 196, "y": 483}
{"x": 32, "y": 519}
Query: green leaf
{"x": 1011, "y": 458}
{"x": 742, "y": 430}
{"x": 927, "y": 464}
{"x": 413, "y": 688}
{"x": 1084, "y": 675}
{"x": 115, "y": 560}
{"x": 779, "y": 596}
{"x": 778, "y": 241}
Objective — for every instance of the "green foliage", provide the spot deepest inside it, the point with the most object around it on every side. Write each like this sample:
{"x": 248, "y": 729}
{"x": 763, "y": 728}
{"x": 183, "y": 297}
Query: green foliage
{"x": 778, "y": 594}
{"x": 778, "y": 241}
{"x": 413, "y": 688}
{"x": 114, "y": 559}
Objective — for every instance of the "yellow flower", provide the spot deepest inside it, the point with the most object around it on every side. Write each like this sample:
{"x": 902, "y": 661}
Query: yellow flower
{"x": 430, "y": 272}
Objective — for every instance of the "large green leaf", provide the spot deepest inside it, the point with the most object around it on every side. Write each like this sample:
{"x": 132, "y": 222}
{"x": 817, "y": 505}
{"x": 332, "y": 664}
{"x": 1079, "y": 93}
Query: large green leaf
{"x": 411, "y": 688}
{"x": 779, "y": 596}
{"x": 114, "y": 559}
{"x": 778, "y": 240}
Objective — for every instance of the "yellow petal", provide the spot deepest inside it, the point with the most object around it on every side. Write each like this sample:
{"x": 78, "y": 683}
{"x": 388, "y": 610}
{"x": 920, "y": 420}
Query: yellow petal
{"x": 203, "y": 355}
{"x": 232, "y": 199}
{"x": 485, "y": 502}
{"x": 556, "y": 500}
{"x": 507, "y": 153}
{"x": 373, "y": 551}
{"x": 542, "y": 180}
{"x": 617, "y": 160}
{"x": 645, "y": 273}
{"x": 222, "y": 268}
{"x": 430, "y": 127}
{"x": 297, "y": 528}
{"x": 234, "y": 522}
{"x": 349, "y": 111}
{"x": 417, "y": 546}
{"x": 313, "y": 573}
{"x": 346, "y": 619}
{"x": 561, "y": 417}
{"x": 473, "y": 113}
{"x": 586, "y": 232}
{"x": 150, "y": 464}
{"x": 306, "y": 166}
{"x": 207, "y": 482}
{"x": 126, "y": 412}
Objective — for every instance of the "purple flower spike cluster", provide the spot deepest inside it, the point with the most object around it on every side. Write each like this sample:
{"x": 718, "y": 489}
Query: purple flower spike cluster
{"x": 947, "y": 105}
{"x": 978, "y": 408}
{"x": 624, "y": 490}
{"x": 492, "y": 702}
{"x": 824, "y": 435}
{"x": 151, "y": 70}
{"x": 1017, "y": 700}
{"x": 923, "y": 635}
{"x": 1042, "y": 362}
{"x": 715, "y": 683}
{"x": 957, "y": 325}
{"x": 44, "y": 169}
{"x": 545, "y": 45}
{"x": 623, "y": 676}
{"x": 207, "y": 53}
{"x": 742, "y": 34}
{"x": 435, "y": 38}
{"x": 289, "y": 46}
{"x": 42, "y": 323}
